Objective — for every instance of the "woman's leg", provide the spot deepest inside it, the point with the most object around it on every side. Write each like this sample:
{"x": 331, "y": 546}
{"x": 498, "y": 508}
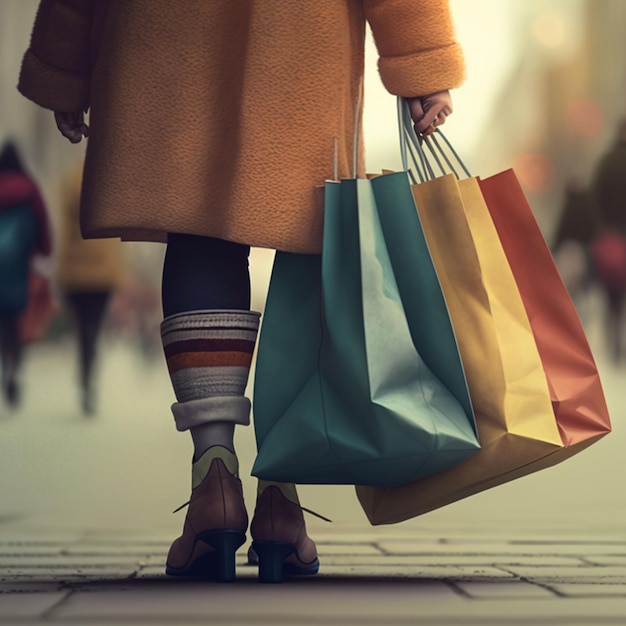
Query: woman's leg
{"x": 10, "y": 357}
{"x": 615, "y": 299}
{"x": 88, "y": 310}
{"x": 208, "y": 335}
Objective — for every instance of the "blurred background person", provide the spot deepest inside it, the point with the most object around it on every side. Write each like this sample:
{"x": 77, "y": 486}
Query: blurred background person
{"x": 25, "y": 240}
{"x": 88, "y": 273}
{"x": 609, "y": 246}
{"x": 575, "y": 230}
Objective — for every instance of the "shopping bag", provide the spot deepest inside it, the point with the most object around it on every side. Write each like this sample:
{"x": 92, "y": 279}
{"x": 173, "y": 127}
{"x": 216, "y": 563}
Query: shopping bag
{"x": 576, "y": 390}
{"x": 342, "y": 393}
{"x": 34, "y": 321}
{"x": 517, "y": 427}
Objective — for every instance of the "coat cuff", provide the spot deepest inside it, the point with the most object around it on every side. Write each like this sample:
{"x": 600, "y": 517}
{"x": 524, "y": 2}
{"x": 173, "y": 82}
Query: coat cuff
{"x": 51, "y": 87}
{"x": 423, "y": 73}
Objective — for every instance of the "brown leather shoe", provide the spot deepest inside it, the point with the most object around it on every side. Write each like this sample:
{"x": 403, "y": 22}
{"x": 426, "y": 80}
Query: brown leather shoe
{"x": 279, "y": 538}
{"x": 215, "y": 527}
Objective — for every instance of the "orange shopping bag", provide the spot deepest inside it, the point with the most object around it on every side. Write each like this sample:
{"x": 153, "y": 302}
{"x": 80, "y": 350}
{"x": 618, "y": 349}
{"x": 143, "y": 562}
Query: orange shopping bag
{"x": 575, "y": 388}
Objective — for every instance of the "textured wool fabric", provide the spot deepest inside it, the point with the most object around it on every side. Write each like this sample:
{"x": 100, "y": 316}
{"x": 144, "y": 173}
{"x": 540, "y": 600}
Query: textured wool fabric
{"x": 193, "y": 414}
{"x": 209, "y": 353}
{"x": 221, "y": 118}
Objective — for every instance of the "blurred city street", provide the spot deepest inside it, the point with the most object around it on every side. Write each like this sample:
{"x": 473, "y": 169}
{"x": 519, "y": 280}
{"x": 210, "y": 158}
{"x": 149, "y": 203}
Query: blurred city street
{"x": 85, "y": 522}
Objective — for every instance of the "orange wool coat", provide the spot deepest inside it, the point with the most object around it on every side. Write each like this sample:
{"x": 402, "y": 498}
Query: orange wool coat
{"x": 221, "y": 118}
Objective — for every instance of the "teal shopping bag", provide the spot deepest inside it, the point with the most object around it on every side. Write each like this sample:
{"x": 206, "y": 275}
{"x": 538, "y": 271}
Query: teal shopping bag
{"x": 343, "y": 393}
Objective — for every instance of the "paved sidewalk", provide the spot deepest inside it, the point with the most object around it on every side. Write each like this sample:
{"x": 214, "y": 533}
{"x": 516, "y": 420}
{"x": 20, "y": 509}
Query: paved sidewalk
{"x": 94, "y": 577}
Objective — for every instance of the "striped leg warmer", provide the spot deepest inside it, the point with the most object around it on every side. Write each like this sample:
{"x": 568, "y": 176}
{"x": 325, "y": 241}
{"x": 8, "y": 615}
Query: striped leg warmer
{"x": 208, "y": 356}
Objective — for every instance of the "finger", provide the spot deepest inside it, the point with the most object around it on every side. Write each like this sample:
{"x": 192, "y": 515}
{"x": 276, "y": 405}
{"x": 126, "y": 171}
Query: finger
{"x": 416, "y": 109}
{"x": 429, "y": 130}
{"x": 440, "y": 119}
{"x": 64, "y": 128}
{"x": 436, "y": 117}
{"x": 427, "y": 124}
{"x": 71, "y": 133}
{"x": 71, "y": 125}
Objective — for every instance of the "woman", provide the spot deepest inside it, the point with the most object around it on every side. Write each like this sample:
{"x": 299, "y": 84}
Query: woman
{"x": 24, "y": 235}
{"x": 608, "y": 249}
{"x": 212, "y": 127}
{"x": 88, "y": 273}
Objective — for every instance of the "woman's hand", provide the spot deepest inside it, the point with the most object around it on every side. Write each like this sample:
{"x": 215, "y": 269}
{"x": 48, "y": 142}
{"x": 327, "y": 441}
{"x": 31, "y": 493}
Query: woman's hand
{"x": 428, "y": 112}
{"x": 72, "y": 125}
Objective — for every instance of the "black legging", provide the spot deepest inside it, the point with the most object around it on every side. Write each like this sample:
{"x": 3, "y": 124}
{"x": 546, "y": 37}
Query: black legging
{"x": 10, "y": 356}
{"x": 88, "y": 309}
{"x": 204, "y": 273}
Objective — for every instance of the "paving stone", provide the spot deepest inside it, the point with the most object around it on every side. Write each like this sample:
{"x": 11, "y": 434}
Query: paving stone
{"x": 582, "y": 574}
{"x": 391, "y": 569}
{"x": 347, "y": 549}
{"x": 140, "y": 552}
{"x": 483, "y": 560}
{"x": 585, "y": 590}
{"x": 24, "y": 585}
{"x": 131, "y": 536}
{"x": 21, "y": 606}
{"x": 64, "y": 560}
{"x": 59, "y": 572}
{"x": 582, "y": 541}
{"x": 507, "y": 537}
{"x": 495, "y": 590}
{"x": 483, "y": 573}
{"x": 45, "y": 534}
{"x": 18, "y": 548}
{"x": 379, "y": 559}
{"x": 119, "y": 547}
{"x": 373, "y": 534}
{"x": 388, "y": 571}
{"x": 607, "y": 559}
{"x": 570, "y": 549}
{"x": 400, "y": 561}
{"x": 329, "y": 601}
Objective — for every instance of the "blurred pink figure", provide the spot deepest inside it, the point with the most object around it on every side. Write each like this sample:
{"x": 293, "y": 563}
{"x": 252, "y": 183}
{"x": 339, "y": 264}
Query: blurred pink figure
{"x": 24, "y": 239}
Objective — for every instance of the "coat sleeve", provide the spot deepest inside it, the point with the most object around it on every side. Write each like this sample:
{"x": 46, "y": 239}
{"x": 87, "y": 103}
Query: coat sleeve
{"x": 55, "y": 70}
{"x": 418, "y": 52}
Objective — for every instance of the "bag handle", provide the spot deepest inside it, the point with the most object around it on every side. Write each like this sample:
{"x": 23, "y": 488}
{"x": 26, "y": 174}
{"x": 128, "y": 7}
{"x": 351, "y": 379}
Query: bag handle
{"x": 411, "y": 148}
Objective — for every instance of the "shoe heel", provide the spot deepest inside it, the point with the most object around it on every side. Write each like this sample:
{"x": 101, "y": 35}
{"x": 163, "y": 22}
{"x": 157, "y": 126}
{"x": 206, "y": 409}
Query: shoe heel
{"x": 225, "y": 543}
{"x": 271, "y": 556}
